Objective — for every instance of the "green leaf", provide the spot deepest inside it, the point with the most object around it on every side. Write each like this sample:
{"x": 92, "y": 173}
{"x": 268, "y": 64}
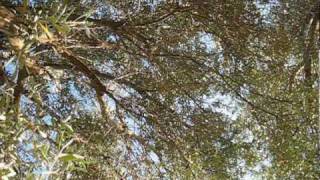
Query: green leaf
{"x": 4, "y": 172}
{"x": 30, "y": 177}
{"x": 64, "y": 29}
{"x": 44, "y": 150}
{"x": 67, "y": 127}
{"x": 70, "y": 157}
{"x": 25, "y": 3}
{"x": 53, "y": 19}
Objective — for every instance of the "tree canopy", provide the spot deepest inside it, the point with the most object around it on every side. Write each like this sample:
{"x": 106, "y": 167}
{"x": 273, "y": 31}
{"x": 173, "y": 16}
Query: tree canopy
{"x": 157, "y": 89}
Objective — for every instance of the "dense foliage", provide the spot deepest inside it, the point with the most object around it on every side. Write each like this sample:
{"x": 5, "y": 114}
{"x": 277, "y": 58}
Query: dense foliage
{"x": 185, "y": 89}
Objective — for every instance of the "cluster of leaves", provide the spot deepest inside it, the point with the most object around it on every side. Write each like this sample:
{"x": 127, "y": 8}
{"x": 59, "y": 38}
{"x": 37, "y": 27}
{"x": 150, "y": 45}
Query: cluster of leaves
{"x": 128, "y": 89}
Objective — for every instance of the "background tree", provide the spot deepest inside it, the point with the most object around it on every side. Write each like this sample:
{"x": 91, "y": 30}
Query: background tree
{"x": 98, "y": 89}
